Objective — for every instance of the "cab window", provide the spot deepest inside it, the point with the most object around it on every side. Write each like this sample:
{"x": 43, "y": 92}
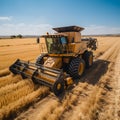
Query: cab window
{"x": 53, "y": 45}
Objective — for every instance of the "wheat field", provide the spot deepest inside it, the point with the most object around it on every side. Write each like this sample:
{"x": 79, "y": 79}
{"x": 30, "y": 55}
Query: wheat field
{"x": 96, "y": 97}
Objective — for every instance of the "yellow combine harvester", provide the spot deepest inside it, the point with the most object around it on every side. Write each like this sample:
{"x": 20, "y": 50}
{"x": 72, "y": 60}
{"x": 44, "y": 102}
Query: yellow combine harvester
{"x": 64, "y": 56}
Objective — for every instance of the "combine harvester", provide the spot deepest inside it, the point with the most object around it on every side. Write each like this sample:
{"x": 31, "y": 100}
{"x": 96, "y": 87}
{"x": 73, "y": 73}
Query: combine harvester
{"x": 64, "y": 56}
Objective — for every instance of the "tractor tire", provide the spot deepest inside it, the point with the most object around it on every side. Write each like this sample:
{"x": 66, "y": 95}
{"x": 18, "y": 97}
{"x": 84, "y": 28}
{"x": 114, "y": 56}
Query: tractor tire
{"x": 76, "y": 67}
{"x": 40, "y": 60}
{"x": 88, "y": 58}
{"x": 58, "y": 87}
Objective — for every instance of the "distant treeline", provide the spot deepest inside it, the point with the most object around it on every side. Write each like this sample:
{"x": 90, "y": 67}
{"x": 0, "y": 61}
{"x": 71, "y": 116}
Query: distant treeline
{"x": 36, "y": 36}
{"x": 19, "y": 36}
{"x": 16, "y": 36}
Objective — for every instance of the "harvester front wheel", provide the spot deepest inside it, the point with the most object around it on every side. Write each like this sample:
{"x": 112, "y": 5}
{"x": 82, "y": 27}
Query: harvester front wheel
{"x": 88, "y": 57}
{"x": 77, "y": 67}
{"x": 40, "y": 59}
{"x": 58, "y": 87}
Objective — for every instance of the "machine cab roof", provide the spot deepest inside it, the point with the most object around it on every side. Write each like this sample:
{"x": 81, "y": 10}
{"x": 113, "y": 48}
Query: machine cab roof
{"x": 69, "y": 29}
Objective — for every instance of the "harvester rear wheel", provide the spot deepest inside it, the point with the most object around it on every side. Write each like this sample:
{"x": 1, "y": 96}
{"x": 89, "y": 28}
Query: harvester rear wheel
{"x": 77, "y": 67}
{"x": 88, "y": 57}
{"x": 58, "y": 87}
{"x": 40, "y": 59}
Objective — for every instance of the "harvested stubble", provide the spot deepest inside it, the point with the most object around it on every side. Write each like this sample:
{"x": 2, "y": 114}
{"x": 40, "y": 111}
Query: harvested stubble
{"x": 51, "y": 104}
{"x": 13, "y": 107}
{"x": 9, "y": 79}
{"x": 55, "y": 108}
{"x": 92, "y": 104}
{"x": 4, "y": 72}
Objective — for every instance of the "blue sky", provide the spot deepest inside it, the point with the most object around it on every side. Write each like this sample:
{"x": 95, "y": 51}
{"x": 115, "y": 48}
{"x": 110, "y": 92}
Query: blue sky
{"x": 36, "y": 17}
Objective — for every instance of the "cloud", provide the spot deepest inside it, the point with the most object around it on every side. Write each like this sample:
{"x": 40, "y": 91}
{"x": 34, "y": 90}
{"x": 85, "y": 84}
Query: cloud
{"x": 96, "y": 30}
{"x": 25, "y": 29}
{"x": 3, "y": 18}
{"x": 39, "y": 29}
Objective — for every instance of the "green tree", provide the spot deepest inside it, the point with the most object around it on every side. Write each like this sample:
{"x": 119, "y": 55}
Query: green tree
{"x": 19, "y": 36}
{"x": 12, "y": 36}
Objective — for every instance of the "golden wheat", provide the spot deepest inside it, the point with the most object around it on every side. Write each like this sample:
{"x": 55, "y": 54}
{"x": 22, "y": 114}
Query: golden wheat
{"x": 10, "y": 50}
{"x": 6, "y": 80}
{"x": 4, "y": 72}
{"x": 12, "y": 87}
{"x": 16, "y": 94}
{"x": 22, "y": 102}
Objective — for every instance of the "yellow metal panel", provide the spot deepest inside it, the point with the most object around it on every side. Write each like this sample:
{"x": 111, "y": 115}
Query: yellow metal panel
{"x": 62, "y": 55}
{"x": 77, "y": 37}
{"x": 53, "y": 62}
{"x": 46, "y": 77}
{"x": 77, "y": 47}
{"x": 73, "y": 36}
{"x": 71, "y": 47}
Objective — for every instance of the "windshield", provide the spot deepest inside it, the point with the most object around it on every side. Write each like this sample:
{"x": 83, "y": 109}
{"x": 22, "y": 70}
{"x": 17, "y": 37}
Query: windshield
{"x": 55, "y": 45}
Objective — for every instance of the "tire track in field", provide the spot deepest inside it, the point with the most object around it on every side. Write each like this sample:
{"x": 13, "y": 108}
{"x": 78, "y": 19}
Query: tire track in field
{"x": 117, "y": 89}
{"x": 112, "y": 109}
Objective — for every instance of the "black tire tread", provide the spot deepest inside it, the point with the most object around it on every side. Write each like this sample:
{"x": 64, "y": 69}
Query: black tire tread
{"x": 39, "y": 59}
{"x": 58, "y": 92}
{"x": 73, "y": 67}
{"x": 86, "y": 58}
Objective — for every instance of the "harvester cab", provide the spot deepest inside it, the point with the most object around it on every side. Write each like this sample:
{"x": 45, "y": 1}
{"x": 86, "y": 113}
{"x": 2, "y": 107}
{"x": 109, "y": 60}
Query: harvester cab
{"x": 64, "y": 56}
{"x": 53, "y": 44}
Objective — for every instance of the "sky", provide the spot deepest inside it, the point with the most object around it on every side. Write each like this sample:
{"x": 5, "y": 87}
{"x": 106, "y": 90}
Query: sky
{"x": 36, "y": 17}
